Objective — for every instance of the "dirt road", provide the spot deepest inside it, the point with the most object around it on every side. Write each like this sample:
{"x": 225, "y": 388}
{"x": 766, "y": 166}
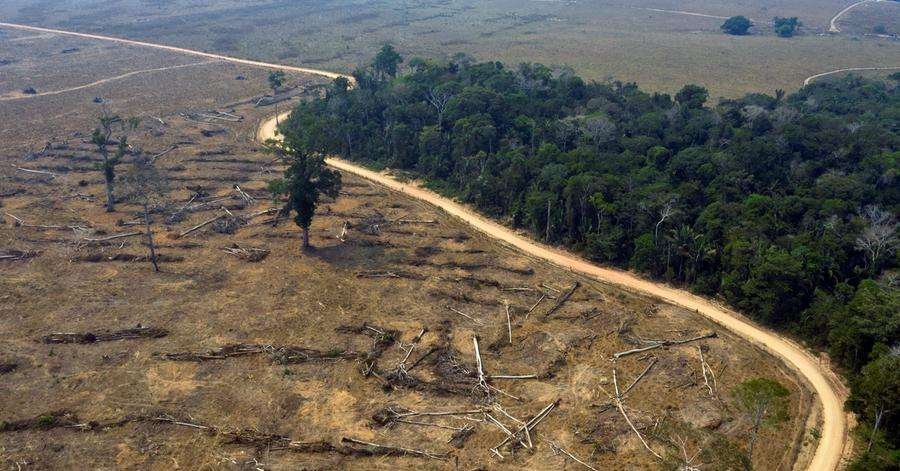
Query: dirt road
{"x": 20, "y": 96}
{"x": 833, "y": 27}
{"x": 834, "y": 428}
{"x": 834, "y": 424}
{"x": 179, "y": 50}
{"x": 837, "y": 71}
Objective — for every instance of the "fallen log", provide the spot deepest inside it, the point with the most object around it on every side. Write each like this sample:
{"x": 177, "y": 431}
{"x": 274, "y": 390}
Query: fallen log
{"x": 621, "y": 408}
{"x": 388, "y": 274}
{"x": 283, "y": 355}
{"x": 112, "y": 237}
{"x": 562, "y": 299}
{"x": 528, "y": 427}
{"x": 15, "y": 192}
{"x": 201, "y": 225}
{"x": 19, "y": 222}
{"x": 373, "y": 449}
{"x": 7, "y": 368}
{"x": 664, "y": 343}
{"x": 250, "y": 254}
{"x": 39, "y": 172}
{"x": 17, "y": 255}
{"x": 107, "y": 336}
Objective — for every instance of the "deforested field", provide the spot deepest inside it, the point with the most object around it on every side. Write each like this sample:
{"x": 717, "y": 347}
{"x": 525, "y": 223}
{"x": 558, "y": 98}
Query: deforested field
{"x": 245, "y": 352}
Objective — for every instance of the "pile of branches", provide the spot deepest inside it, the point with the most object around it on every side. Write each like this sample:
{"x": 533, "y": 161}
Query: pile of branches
{"x": 249, "y": 254}
{"x": 248, "y": 437}
{"x": 125, "y": 257}
{"x": 17, "y": 255}
{"x": 105, "y": 336}
{"x": 382, "y": 338}
{"x": 282, "y": 355}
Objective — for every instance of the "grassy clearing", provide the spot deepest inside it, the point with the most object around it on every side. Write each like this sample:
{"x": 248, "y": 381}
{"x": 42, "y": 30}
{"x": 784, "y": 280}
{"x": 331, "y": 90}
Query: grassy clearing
{"x": 659, "y": 50}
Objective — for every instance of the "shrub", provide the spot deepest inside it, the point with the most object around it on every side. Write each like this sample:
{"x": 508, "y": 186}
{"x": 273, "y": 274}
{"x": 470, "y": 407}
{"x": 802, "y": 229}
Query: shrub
{"x": 736, "y": 25}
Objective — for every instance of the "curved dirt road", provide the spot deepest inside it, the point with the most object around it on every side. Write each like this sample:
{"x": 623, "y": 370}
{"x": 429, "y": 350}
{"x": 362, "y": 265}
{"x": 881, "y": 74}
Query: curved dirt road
{"x": 849, "y": 69}
{"x": 833, "y": 27}
{"x": 834, "y": 428}
{"x": 834, "y": 425}
{"x": 20, "y": 96}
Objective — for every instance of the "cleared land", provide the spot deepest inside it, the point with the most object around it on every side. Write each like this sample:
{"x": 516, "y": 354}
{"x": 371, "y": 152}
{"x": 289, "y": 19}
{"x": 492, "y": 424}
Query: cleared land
{"x": 308, "y": 367}
{"x": 625, "y": 41}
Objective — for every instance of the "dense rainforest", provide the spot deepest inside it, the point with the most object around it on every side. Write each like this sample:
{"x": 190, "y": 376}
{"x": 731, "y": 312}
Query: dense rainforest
{"x": 784, "y": 205}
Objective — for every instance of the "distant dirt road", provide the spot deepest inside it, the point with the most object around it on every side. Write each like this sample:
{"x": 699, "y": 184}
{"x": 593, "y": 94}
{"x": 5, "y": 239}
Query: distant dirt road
{"x": 850, "y": 69}
{"x": 682, "y": 12}
{"x": 833, "y": 27}
{"x": 834, "y": 424}
{"x": 20, "y": 96}
{"x": 234, "y": 60}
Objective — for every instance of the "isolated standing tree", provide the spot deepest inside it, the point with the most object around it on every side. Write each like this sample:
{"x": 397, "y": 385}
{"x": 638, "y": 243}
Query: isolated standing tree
{"x": 786, "y": 27}
{"x": 736, "y": 25}
{"x": 102, "y": 138}
{"x": 386, "y": 62}
{"x": 304, "y": 181}
{"x": 765, "y": 402}
{"x": 276, "y": 81}
{"x": 145, "y": 186}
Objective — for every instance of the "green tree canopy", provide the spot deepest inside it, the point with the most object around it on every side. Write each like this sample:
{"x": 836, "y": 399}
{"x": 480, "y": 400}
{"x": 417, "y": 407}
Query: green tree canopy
{"x": 736, "y": 25}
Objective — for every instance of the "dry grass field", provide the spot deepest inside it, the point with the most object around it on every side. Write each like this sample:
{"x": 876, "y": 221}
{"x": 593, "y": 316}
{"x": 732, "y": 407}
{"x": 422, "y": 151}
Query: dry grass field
{"x": 882, "y": 18}
{"x": 250, "y": 354}
{"x": 647, "y": 41}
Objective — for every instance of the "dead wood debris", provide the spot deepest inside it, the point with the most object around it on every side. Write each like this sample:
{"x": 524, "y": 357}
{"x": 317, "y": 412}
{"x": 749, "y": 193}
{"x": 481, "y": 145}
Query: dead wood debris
{"x": 382, "y": 338}
{"x": 389, "y": 274}
{"x": 462, "y": 297}
{"x": 282, "y": 355}
{"x": 105, "y": 336}
{"x": 248, "y": 437}
{"x": 19, "y": 222}
{"x": 17, "y": 255}
{"x": 125, "y": 257}
{"x": 664, "y": 343}
{"x": 471, "y": 266}
{"x": 249, "y": 254}
{"x": 7, "y": 368}
{"x": 7, "y": 194}
{"x": 523, "y": 435}
{"x": 561, "y": 300}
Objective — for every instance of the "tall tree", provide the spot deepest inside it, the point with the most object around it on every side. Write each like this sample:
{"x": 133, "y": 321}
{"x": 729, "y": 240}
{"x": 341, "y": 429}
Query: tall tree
{"x": 305, "y": 180}
{"x": 386, "y": 62}
{"x": 276, "y": 81}
{"x": 102, "y": 139}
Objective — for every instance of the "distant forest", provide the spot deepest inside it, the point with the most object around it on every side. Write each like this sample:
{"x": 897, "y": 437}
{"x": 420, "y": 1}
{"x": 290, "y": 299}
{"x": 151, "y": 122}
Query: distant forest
{"x": 784, "y": 205}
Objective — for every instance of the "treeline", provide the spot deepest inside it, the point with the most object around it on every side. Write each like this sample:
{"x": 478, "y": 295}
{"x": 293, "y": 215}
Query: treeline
{"x": 783, "y": 205}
